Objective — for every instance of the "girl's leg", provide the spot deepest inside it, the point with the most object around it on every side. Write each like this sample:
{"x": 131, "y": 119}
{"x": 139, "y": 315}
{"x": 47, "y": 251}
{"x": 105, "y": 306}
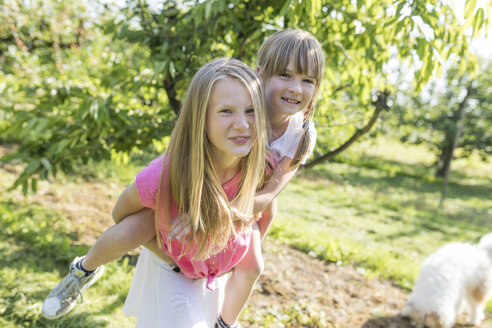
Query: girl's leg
{"x": 242, "y": 280}
{"x": 135, "y": 230}
{"x": 131, "y": 232}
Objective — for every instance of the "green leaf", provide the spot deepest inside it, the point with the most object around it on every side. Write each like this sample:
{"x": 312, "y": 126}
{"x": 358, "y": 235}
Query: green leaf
{"x": 400, "y": 26}
{"x": 160, "y": 66}
{"x": 469, "y": 7}
{"x": 391, "y": 22}
{"x": 421, "y": 47}
{"x": 400, "y": 7}
{"x": 170, "y": 12}
{"x": 172, "y": 70}
{"x": 487, "y": 21}
{"x": 25, "y": 187}
{"x": 430, "y": 66}
{"x": 285, "y": 8}
{"x": 34, "y": 185}
{"x": 208, "y": 10}
{"x": 61, "y": 146}
{"x": 477, "y": 26}
{"x": 46, "y": 163}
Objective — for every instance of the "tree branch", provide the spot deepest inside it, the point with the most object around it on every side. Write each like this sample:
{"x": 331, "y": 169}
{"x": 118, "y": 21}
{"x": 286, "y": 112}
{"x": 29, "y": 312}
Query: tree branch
{"x": 380, "y": 104}
{"x": 169, "y": 86}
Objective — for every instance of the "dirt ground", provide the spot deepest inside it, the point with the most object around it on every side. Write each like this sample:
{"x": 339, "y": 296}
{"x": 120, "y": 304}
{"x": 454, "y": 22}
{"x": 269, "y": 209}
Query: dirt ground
{"x": 343, "y": 295}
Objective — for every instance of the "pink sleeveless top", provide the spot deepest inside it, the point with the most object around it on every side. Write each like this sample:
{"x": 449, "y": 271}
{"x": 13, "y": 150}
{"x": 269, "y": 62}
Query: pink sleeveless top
{"x": 147, "y": 182}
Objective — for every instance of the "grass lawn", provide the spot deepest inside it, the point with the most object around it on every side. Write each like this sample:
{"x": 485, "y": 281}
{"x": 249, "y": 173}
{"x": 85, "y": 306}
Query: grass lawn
{"x": 376, "y": 208}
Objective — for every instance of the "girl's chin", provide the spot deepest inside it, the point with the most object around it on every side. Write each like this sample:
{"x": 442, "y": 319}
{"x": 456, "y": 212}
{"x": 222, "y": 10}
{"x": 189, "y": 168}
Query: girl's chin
{"x": 288, "y": 108}
{"x": 238, "y": 153}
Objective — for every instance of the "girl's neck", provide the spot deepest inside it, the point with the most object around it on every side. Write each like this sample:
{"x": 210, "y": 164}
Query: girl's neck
{"x": 278, "y": 125}
{"x": 226, "y": 171}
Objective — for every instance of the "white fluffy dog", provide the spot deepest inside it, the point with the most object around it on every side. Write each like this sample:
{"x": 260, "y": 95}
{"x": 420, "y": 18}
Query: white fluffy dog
{"x": 455, "y": 279}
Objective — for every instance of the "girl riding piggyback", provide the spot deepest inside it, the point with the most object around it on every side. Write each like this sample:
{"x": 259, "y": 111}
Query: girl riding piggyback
{"x": 291, "y": 64}
{"x": 216, "y": 157}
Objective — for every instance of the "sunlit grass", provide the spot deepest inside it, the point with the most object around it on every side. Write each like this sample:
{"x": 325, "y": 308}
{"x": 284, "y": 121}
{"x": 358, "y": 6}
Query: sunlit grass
{"x": 382, "y": 213}
{"x": 35, "y": 250}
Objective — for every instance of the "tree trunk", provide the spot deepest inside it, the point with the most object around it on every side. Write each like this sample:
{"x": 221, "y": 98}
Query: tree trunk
{"x": 172, "y": 96}
{"x": 380, "y": 105}
{"x": 444, "y": 160}
{"x": 451, "y": 141}
{"x": 457, "y": 136}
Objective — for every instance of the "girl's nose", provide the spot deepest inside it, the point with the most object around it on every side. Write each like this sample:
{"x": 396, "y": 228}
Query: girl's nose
{"x": 241, "y": 122}
{"x": 295, "y": 86}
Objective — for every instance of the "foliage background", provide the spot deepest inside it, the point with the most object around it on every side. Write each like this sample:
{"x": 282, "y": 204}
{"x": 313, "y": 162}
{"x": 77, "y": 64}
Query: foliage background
{"x": 85, "y": 81}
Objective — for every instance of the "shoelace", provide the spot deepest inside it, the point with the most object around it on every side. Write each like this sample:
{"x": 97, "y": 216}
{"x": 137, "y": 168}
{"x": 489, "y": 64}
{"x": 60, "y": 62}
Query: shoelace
{"x": 72, "y": 289}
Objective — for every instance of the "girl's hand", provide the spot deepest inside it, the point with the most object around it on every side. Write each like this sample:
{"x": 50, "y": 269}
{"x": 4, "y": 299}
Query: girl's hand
{"x": 180, "y": 227}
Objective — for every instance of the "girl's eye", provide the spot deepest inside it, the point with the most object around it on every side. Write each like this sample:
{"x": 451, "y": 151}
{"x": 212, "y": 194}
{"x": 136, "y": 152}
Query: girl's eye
{"x": 310, "y": 81}
{"x": 225, "y": 111}
{"x": 250, "y": 111}
{"x": 284, "y": 75}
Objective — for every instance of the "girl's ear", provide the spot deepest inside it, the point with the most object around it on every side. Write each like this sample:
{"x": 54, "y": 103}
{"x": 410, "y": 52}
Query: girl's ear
{"x": 258, "y": 69}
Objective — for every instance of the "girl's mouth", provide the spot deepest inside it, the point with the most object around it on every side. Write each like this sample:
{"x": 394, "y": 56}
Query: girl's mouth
{"x": 291, "y": 101}
{"x": 240, "y": 140}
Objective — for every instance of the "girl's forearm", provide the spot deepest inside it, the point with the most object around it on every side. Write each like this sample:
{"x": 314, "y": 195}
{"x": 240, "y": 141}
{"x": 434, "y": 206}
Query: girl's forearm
{"x": 282, "y": 174}
{"x": 154, "y": 248}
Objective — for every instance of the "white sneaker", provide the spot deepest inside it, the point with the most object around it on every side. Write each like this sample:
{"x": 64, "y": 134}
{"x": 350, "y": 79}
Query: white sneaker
{"x": 65, "y": 295}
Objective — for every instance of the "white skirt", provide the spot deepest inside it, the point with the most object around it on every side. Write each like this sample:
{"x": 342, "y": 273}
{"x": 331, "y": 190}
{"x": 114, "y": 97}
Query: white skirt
{"x": 162, "y": 298}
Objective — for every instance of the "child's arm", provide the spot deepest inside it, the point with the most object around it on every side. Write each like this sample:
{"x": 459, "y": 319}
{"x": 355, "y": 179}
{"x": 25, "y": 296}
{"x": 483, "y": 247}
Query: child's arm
{"x": 282, "y": 174}
{"x": 128, "y": 203}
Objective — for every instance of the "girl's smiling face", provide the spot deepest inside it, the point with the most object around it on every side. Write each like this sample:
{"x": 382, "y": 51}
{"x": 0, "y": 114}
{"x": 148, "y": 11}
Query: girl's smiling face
{"x": 289, "y": 92}
{"x": 230, "y": 122}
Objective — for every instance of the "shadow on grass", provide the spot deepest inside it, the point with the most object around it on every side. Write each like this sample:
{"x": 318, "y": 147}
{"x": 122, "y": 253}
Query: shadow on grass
{"x": 39, "y": 239}
{"x": 418, "y": 191}
{"x": 387, "y": 173}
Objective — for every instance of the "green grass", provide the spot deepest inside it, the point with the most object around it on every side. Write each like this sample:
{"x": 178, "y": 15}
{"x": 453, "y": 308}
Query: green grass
{"x": 35, "y": 247}
{"x": 381, "y": 213}
{"x": 374, "y": 208}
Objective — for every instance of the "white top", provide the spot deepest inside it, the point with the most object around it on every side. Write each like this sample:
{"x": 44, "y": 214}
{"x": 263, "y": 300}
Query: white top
{"x": 286, "y": 145}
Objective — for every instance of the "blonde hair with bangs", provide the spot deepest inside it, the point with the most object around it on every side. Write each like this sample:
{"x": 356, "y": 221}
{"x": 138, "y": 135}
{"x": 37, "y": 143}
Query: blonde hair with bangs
{"x": 192, "y": 179}
{"x": 304, "y": 51}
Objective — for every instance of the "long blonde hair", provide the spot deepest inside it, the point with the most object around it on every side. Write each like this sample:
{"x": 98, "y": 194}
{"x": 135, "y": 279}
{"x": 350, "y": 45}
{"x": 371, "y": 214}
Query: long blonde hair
{"x": 304, "y": 50}
{"x": 191, "y": 178}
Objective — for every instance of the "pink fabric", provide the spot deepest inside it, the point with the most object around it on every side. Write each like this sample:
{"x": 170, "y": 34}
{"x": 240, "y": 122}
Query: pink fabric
{"x": 147, "y": 182}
